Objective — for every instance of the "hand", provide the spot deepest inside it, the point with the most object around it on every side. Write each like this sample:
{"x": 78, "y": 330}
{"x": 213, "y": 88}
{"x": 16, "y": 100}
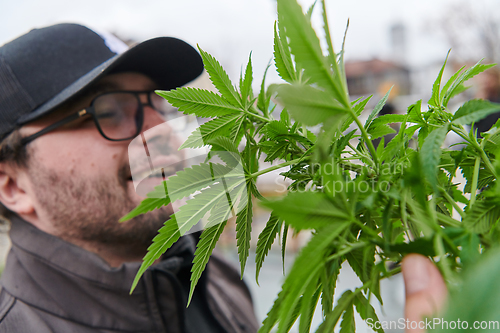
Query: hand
{"x": 425, "y": 289}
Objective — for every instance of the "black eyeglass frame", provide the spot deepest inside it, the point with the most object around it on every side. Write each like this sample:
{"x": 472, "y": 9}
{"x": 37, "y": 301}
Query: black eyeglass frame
{"x": 139, "y": 121}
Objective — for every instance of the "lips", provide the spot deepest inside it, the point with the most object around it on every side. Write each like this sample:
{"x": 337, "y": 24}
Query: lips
{"x": 147, "y": 177}
{"x": 155, "y": 167}
{"x": 154, "y": 156}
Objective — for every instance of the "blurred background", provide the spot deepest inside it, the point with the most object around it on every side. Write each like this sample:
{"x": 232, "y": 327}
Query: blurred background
{"x": 389, "y": 43}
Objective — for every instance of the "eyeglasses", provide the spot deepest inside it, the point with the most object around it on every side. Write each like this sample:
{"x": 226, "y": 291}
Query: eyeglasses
{"x": 118, "y": 115}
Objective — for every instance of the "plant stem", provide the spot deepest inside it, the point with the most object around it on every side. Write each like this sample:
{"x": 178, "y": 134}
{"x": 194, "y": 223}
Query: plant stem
{"x": 367, "y": 157}
{"x": 444, "y": 219}
{"x": 257, "y": 116}
{"x": 463, "y": 134}
{"x": 404, "y": 217}
{"x": 346, "y": 250}
{"x": 451, "y": 201}
{"x": 439, "y": 248}
{"x": 364, "y": 134}
{"x": 475, "y": 177}
{"x": 274, "y": 167}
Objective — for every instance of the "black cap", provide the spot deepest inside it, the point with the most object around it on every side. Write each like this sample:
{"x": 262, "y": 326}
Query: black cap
{"x": 46, "y": 67}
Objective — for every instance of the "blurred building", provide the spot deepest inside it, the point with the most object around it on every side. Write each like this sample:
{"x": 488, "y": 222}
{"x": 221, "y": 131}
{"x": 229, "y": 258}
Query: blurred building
{"x": 367, "y": 77}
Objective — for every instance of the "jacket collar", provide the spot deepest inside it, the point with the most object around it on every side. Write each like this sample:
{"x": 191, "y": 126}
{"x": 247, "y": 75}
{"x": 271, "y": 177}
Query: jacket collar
{"x": 67, "y": 281}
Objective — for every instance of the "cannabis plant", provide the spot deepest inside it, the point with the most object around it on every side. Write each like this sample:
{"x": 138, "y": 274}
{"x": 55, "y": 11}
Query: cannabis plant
{"x": 365, "y": 205}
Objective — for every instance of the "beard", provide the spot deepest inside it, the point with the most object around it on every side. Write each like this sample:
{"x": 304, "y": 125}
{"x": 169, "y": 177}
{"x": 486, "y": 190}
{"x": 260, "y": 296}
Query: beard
{"x": 87, "y": 211}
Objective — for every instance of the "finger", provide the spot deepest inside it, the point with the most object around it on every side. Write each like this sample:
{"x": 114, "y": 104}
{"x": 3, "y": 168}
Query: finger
{"x": 425, "y": 290}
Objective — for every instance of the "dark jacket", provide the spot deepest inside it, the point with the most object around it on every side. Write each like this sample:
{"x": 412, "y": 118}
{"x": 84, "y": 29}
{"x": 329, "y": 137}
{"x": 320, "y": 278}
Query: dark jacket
{"x": 49, "y": 285}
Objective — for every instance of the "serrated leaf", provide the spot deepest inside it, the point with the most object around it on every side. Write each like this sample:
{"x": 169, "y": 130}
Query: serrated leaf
{"x": 341, "y": 58}
{"x": 305, "y": 46}
{"x": 299, "y": 138}
{"x": 458, "y": 82}
{"x": 376, "y": 110}
{"x": 204, "y": 249}
{"x": 277, "y": 150}
{"x": 492, "y": 143}
{"x": 474, "y": 110}
{"x": 246, "y": 86}
{"x": 244, "y": 229}
{"x": 293, "y": 318}
{"x": 391, "y": 149}
{"x": 195, "y": 209}
{"x": 410, "y": 131}
{"x": 347, "y": 325}
{"x": 263, "y": 99}
{"x": 220, "y": 79}
{"x": 379, "y": 147}
{"x": 435, "y": 100}
{"x": 485, "y": 178}
{"x": 366, "y": 311}
{"x": 308, "y": 210}
{"x": 190, "y": 180}
{"x": 275, "y": 129}
{"x": 284, "y": 237}
{"x": 430, "y": 154}
{"x": 310, "y": 10}
{"x": 225, "y": 208}
{"x": 422, "y": 135}
{"x": 329, "y": 282}
{"x": 388, "y": 119}
{"x": 375, "y": 279}
{"x": 224, "y": 144}
{"x": 377, "y": 131}
{"x": 333, "y": 317}
{"x": 220, "y": 126}
{"x": 182, "y": 184}
{"x": 482, "y": 216}
{"x": 285, "y": 118}
{"x": 203, "y": 103}
{"x": 309, "y": 105}
{"x": 272, "y": 316}
{"x": 146, "y": 205}
{"x": 307, "y": 265}
{"x": 282, "y": 58}
{"x": 361, "y": 262}
{"x": 415, "y": 113}
{"x": 458, "y": 90}
{"x": 450, "y": 81}
{"x": 251, "y": 160}
{"x": 357, "y": 109}
{"x": 266, "y": 240}
{"x": 166, "y": 237}
{"x": 342, "y": 143}
{"x": 309, "y": 303}
{"x": 326, "y": 28}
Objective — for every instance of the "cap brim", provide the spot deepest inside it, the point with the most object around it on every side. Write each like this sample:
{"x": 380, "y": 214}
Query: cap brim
{"x": 168, "y": 61}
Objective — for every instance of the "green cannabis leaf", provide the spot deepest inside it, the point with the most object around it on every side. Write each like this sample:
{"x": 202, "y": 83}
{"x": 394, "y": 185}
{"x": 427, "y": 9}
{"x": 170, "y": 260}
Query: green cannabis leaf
{"x": 366, "y": 205}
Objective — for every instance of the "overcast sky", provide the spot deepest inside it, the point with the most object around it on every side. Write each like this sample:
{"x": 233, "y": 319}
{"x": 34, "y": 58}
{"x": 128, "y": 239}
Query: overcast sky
{"x": 230, "y": 29}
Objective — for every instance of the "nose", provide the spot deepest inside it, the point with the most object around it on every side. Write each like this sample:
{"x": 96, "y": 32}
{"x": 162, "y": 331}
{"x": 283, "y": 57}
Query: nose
{"x": 151, "y": 117}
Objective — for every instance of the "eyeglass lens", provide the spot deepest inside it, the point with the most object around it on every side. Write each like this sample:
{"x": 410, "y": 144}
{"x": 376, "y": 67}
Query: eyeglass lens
{"x": 118, "y": 114}
{"x": 161, "y": 105}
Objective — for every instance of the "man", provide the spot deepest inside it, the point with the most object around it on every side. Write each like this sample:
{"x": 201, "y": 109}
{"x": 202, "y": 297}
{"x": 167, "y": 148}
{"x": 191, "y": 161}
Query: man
{"x": 71, "y": 100}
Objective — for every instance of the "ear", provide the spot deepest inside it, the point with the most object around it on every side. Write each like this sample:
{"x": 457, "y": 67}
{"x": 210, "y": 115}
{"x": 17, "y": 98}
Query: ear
{"x": 14, "y": 190}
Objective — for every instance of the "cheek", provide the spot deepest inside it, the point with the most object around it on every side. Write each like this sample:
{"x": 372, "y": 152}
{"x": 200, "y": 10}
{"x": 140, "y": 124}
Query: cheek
{"x": 76, "y": 155}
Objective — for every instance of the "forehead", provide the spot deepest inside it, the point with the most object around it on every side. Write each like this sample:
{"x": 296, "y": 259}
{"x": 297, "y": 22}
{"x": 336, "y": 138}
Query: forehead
{"x": 123, "y": 81}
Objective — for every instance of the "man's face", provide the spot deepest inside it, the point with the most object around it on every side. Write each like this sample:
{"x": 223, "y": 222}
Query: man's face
{"x": 81, "y": 182}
